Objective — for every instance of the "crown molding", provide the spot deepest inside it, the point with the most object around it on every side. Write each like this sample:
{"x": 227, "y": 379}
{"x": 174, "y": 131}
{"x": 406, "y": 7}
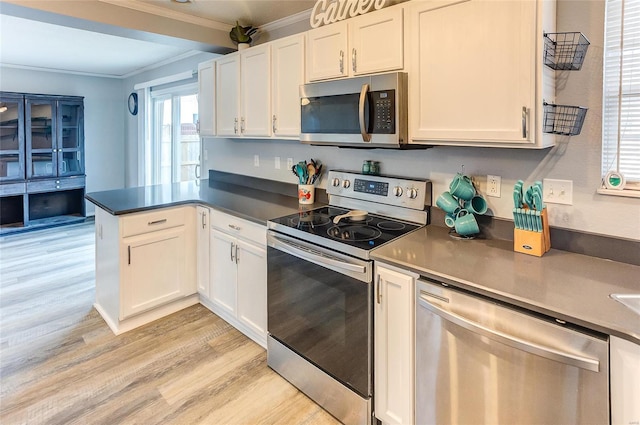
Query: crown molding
{"x": 305, "y": 15}
{"x": 168, "y": 13}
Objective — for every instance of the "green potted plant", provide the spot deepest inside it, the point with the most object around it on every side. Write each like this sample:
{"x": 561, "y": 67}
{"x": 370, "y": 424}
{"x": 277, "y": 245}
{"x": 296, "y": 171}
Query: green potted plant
{"x": 242, "y": 35}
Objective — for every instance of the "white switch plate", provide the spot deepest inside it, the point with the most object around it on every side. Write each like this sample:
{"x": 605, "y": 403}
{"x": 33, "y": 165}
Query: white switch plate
{"x": 557, "y": 191}
{"x": 494, "y": 184}
{"x": 256, "y": 160}
{"x": 277, "y": 162}
{"x": 289, "y": 163}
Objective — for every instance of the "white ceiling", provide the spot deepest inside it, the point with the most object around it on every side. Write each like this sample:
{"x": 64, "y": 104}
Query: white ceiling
{"x": 31, "y": 44}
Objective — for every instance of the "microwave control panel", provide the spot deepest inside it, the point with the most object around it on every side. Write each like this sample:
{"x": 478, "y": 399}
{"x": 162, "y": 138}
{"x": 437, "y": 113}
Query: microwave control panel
{"x": 383, "y": 111}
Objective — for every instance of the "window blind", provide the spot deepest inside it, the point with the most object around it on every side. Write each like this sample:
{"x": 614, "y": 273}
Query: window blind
{"x": 621, "y": 94}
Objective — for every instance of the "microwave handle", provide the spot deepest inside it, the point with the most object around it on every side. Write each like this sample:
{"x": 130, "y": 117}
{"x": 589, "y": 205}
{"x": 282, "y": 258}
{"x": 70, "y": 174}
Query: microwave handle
{"x": 363, "y": 127}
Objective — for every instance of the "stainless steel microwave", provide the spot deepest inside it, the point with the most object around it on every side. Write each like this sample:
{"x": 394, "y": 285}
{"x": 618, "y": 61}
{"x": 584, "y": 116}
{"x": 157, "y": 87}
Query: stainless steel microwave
{"x": 369, "y": 111}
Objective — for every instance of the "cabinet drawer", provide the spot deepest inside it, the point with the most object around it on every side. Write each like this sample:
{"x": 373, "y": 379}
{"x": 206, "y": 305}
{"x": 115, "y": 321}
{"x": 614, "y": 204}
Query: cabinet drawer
{"x": 238, "y": 227}
{"x": 49, "y": 185}
{"x": 8, "y": 189}
{"x": 136, "y": 224}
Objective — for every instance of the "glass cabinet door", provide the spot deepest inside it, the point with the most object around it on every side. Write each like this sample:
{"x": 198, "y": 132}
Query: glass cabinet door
{"x": 11, "y": 138}
{"x": 70, "y": 138}
{"x": 41, "y": 130}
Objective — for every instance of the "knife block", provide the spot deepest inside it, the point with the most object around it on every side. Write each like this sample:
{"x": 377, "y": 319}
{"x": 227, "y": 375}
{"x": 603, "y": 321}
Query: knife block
{"x": 533, "y": 243}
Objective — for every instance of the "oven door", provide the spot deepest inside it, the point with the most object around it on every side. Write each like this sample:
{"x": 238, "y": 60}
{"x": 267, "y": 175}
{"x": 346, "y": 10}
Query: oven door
{"x": 320, "y": 306}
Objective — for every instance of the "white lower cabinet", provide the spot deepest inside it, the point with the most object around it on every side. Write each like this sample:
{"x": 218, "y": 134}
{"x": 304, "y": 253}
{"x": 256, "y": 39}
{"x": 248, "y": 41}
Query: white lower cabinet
{"x": 145, "y": 265}
{"x": 625, "y": 381}
{"x": 202, "y": 249}
{"x": 238, "y": 274}
{"x": 394, "y": 313}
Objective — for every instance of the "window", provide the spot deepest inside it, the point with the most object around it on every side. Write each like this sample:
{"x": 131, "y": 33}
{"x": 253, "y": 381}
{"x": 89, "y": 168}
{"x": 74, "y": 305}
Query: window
{"x": 173, "y": 151}
{"x": 621, "y": 96}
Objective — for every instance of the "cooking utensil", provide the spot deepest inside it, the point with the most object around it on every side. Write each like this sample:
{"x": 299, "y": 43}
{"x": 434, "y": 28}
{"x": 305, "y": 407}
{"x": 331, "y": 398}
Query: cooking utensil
{"x": 355, "y": 215}
{"x": 517, "y": 194}
{"x": 311, "y": 171}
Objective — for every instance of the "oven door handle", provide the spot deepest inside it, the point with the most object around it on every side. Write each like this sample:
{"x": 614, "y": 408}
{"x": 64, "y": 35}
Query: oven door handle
{"x": 315, "y": 256}
{"x": 363, "y": 100}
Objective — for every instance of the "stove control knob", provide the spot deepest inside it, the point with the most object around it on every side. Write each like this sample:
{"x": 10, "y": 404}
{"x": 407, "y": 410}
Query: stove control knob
{"x": 412, "y": 193}
{"x": 397, "y": 191}
{"x": 346, "y": 184}
{"x": 335, "y": 182}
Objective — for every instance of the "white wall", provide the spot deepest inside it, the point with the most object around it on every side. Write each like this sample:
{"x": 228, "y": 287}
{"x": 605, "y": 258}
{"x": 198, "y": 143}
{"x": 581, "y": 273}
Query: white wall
{"x": 104, "y": 110}
{"x": 574, "y": 158}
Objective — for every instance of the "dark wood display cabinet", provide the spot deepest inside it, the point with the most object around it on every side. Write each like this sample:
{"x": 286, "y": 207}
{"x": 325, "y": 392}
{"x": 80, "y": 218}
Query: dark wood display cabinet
{"x": 42, "y": 180}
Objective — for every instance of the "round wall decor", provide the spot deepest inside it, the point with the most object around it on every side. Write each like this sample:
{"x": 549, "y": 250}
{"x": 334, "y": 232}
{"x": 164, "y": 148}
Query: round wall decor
{"x": 133, "y": 103}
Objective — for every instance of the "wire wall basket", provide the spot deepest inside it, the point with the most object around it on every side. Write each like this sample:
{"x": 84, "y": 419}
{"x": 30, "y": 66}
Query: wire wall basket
{"x": 563, "y": 119}
{"x": 565, "y": 50}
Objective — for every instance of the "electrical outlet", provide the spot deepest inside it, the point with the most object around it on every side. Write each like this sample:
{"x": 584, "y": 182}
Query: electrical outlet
{"x": 557, "y": 191}
{"x": 256, "y": 160}
{"x": 494, "y": 186}
{"x": 289, "y": 163}
{"x": 277, "y": 162}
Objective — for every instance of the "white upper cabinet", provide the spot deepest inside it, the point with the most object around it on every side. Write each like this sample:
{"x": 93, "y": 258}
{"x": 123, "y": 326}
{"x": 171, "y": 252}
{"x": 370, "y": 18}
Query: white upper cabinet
{"x": 243, "y": 93}
{"x": 228, "y": 95}
{"x": 207, "y": 98}
{"x": 363, "y": 45}
{"x": 476, "y": 75}
{"x": 287, "y": 74}
{"x": 376, "y": 42}
{"x": 327, "y": 52}
{"x": 255, "y": 89}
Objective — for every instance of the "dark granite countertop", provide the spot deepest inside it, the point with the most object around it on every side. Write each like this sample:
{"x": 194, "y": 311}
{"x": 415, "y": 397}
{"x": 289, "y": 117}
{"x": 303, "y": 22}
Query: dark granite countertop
{"x": 248, "y": 203}
{"x": 561, "y": 284}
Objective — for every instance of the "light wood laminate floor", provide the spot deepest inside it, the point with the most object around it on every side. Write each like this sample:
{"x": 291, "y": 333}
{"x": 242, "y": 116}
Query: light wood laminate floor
{"x": 61, "y": 364}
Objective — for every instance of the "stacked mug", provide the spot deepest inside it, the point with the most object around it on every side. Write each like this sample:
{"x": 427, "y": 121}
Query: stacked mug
{"x": 460, "y": 204}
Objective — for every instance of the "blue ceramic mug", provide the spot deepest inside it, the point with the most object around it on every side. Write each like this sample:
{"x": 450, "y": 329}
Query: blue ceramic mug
{"x": 466, "y": 223}
{"x": 447, "y": 203}
{"x": 462, "y": 187}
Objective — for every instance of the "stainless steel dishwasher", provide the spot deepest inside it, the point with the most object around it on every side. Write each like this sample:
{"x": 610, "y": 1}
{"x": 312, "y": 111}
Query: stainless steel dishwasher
{"x": 482, "y": 362}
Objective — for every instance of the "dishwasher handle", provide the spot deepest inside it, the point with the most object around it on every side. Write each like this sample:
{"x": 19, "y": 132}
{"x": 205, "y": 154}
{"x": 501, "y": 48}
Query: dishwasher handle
{"x": 510, "y": 340}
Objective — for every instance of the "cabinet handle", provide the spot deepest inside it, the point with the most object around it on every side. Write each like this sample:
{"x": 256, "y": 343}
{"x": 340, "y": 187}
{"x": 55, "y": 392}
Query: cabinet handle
{"x": 353, "y": 60}
{"x": 379, "y": 295}
{"x": 237, "y": 257}
{"x": 242, "y": 125}
{"x": 273, "y": 124}
{"x": 151, "y": 223}
{"x": 524, "y": 122}
{"x": 233, "y": 260}
{"x": 234, "y": 227}
{"x": 235, "y": 125}
{"x": 204, "y": 220}
{"x": 129, "y": 254}
{"x": 198, "y": 126}
{"x": 341, "y": 61}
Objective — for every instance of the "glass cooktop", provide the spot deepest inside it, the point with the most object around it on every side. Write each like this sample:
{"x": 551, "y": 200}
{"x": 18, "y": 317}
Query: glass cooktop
{"x": 367, "y": 233}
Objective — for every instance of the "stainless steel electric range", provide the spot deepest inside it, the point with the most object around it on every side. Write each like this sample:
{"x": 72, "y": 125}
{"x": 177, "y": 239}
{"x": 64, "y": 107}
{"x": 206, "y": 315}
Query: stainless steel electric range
{"x": 320, "y": 287}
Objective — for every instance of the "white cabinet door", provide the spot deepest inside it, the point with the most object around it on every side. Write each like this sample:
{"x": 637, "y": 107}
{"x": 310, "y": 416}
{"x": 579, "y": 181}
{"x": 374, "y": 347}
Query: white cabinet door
{"x": 327, "y": 52}
{"x": 207, "y": 98}
{"x": 394, "y": 346}
{"x": 223, "y": 271}
{"x": 473, "y": 71}
{"x": 228, "y": 95}
{"x": 287, "y": 74}
{"x": 376, "y": 41}
{"x": 255, "y": 89}
{"x": 625, "y": 381}
{"x": 252, "y": 286}
{"x": 202, "y": 250}
{"x": 153, "y": 270}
